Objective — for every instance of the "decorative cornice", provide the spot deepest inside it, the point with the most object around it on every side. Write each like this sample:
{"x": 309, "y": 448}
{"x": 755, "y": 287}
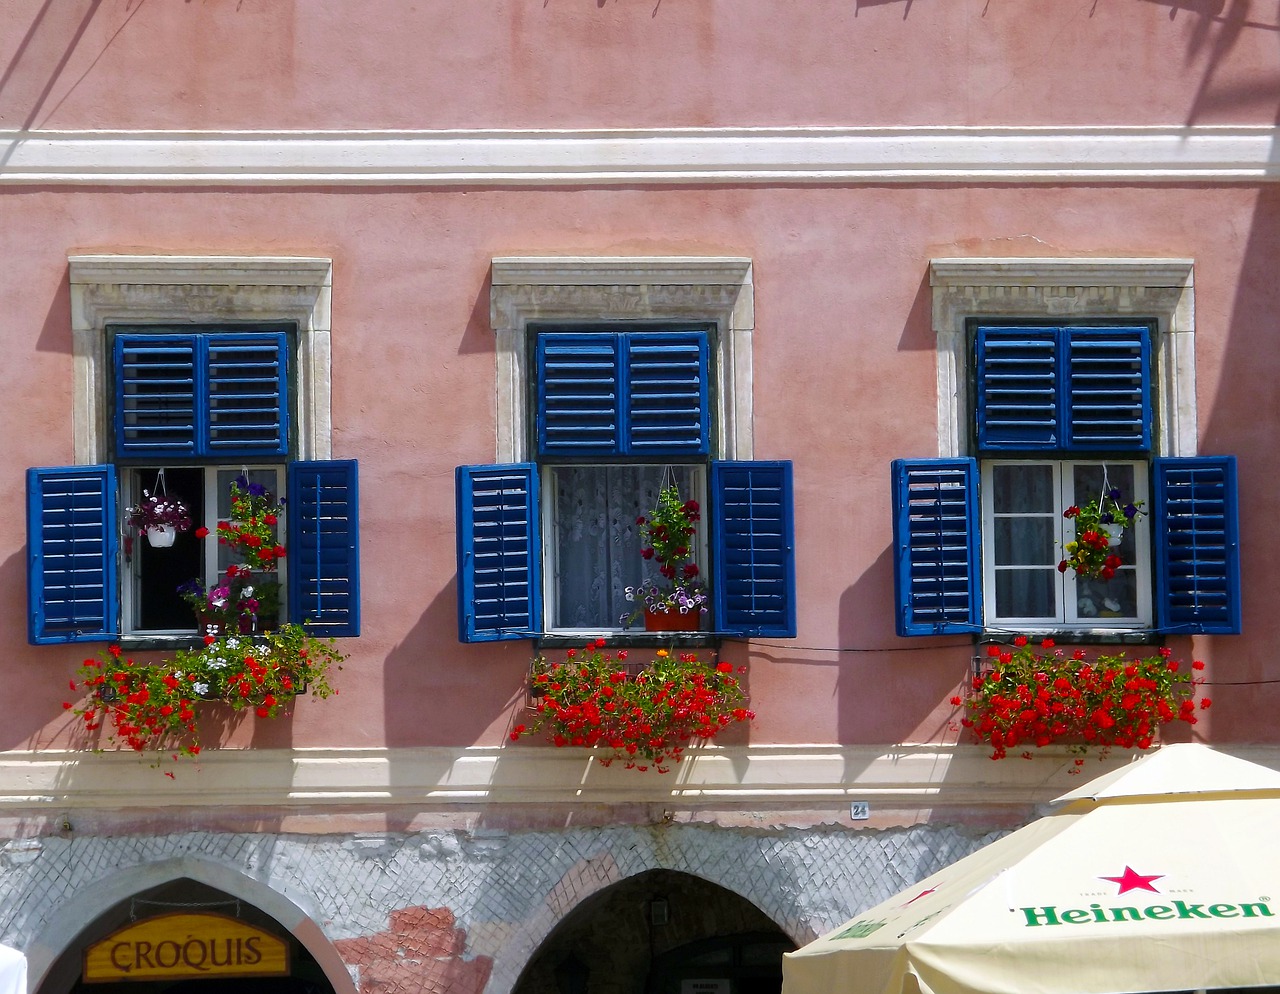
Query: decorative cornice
{"x": 788, "y": 777}
{"x": 655, "y": 156}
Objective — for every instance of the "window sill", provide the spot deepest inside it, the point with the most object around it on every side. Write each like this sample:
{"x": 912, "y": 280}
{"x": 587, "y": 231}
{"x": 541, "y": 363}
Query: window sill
{"x": 628, "y": 640}
{"x": 1076, "y": 636}
{"x": 159, "y": 643}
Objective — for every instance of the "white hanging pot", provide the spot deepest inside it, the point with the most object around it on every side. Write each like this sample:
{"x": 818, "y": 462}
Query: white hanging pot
{"x": 161, "y": 536}
{"x": 1114, "y": 540}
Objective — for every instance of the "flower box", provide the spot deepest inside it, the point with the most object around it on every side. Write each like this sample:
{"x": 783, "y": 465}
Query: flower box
{"x": 1027, "y": 697}
{"x": 642, "y": 713}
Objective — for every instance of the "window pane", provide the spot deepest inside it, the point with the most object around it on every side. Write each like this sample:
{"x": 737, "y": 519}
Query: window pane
{"x": 596, "y": 544}
{"x": 1114, "y": 598}
{"x": 1025, "y": 541}
{"x": 159, "y": 572}
{"x": 1091, "y": 480}
{"x": 1018, "y": 489}
{"x": 266, "y": 582}
{"x": 1026, "y": 593}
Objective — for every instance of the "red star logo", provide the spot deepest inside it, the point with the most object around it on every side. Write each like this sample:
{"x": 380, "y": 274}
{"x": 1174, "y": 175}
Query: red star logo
{"x": 1132, "y": 880}
{"x": 923, "y": 893}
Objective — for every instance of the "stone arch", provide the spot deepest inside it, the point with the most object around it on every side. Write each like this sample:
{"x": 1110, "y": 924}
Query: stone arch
{"x": 680, "y": 849}
{"x": 618, "y": 934}
{"x": 291, "y": 911}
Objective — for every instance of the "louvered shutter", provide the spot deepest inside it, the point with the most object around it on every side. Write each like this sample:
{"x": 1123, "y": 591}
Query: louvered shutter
{"x": 579, "y": 388}
{"x": 246, "y": 395}
{"x": 667, "y": 410}
{"x": 1018, "y": 389}
{"x": 499, "y": 552}
{"x": 201, "y": 395}
{"x": 1108, "y": 395}
{"x": 1197, "y": 544}
{"x": 625, "y": 394}
{"x": 156, "y": 391}
{"x": 324, "y": 546}
{"x": 935, "y": 541}
{"x": 753, "y": 550}
{"x": 71, "y": 554}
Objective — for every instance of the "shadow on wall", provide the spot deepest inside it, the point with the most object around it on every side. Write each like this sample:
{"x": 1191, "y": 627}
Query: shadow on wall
{"x": 879, "y": 698}
{"x": 441, "y": 692}
{"x": 1245, "y": 683}
{"x": 38, "y": 62}
{"x": 860, "y": 4}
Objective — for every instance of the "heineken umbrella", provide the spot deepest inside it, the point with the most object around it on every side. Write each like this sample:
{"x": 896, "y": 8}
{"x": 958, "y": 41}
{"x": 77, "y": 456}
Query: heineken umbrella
{"x": 13, "y": 971}
{"x": 1161, "y": 876}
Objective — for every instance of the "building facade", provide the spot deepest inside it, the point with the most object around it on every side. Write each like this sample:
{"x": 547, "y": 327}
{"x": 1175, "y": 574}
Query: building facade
{"x": 467, "y": 288}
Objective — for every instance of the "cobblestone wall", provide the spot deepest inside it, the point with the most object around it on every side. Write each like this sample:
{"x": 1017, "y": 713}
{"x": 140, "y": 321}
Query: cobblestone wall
{"x": 474, "y": 906}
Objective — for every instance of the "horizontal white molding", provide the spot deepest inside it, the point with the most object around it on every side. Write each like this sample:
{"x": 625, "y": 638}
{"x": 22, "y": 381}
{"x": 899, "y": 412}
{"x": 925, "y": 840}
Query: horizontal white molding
{"x": 1216, "y": 153}
{"x": 803, "y": 777}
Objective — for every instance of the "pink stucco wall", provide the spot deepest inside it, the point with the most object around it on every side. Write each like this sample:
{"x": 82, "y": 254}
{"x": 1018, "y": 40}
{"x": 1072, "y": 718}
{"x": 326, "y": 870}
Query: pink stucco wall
{"x": 633, "y": 63}
{"x": 843, "y": 350}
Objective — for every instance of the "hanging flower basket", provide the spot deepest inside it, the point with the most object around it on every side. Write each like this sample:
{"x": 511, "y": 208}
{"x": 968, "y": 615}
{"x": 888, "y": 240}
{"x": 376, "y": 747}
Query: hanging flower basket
{"x": 161, "y": 536}
{"x": 159, "y": 516}
{"x": 1037, "y": 697}
{"x": 1100, "y": 526}
{"x": 642, "y": 715}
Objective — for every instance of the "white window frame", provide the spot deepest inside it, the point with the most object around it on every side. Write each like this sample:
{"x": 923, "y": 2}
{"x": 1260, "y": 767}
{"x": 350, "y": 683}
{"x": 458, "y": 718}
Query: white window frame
{"x": 1065, "y": 291}
{"x": 131, "y": 582}
{"x": 551, "y": 566}
{"x": 1068, "y": 617}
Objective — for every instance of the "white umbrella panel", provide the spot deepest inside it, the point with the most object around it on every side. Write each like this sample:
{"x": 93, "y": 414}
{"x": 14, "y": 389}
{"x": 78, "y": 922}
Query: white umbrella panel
{"x": 1162, "y": 876}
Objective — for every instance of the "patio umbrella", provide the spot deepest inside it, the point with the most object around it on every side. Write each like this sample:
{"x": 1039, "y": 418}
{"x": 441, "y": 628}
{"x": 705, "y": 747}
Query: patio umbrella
{"x": 13, "y": 971}
{"x": 1161, "y": 876}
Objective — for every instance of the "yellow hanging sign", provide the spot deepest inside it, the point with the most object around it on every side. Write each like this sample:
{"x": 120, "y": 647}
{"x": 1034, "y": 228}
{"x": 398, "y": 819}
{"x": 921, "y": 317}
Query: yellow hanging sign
{"x": 186, "y": 945}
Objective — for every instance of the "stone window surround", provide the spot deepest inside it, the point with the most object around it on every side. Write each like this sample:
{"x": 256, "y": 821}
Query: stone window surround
{"x": 193, "y": 290}
{"x": 716, "y": 290}
{"x": 1068, "y": 290}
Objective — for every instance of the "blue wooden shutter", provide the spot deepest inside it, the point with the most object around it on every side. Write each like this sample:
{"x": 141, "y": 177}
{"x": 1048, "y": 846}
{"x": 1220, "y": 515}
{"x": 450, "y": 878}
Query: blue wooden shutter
{"x": 754, "y": 581}
{"x": 499, "y": 552}
{"x": 245, "y": 395}
{"x": 71, "y": 555}
{"x": 668, "y": 400}
{"x": 1197, "y": 544}
{"x": 324, "y": 546}
{"x": 1018, "y": 389}
{"x": 579, "y": 390}
{"x": 1108, "y": 395}
{"x": 935, "y": 540}
{"x": 156, "y": 393}
{"x": 202, "y": 395}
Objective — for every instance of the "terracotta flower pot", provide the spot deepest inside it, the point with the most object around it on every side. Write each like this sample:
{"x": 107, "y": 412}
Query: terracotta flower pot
{"x": 669, "y": 621}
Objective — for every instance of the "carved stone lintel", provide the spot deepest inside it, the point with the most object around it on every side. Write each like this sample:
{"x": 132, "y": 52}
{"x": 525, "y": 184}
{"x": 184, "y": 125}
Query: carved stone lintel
{"x": 716, "y": 291}
{"x": 1162, "y": 290}
{"x": 184, "y": 290}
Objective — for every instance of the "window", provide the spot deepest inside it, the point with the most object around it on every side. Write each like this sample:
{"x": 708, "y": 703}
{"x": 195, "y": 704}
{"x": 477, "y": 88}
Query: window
{"x": 188, "y": 409}
{"x": 1063, "y": 410}
{"x": 1022, "y": 504}
{"x": 595, "y": 418}
{"x": 628, "y": 397}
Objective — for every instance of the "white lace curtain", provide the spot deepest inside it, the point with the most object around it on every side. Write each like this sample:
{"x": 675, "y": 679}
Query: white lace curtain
{"x": 597, "y": 541}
